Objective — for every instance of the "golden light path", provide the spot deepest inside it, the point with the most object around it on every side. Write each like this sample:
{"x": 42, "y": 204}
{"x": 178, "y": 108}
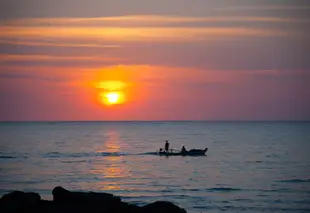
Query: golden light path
{"x": 112, "y": 173}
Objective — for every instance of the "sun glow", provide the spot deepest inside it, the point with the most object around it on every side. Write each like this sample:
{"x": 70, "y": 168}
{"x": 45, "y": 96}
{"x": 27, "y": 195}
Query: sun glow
{"x": 111, "y": 92}
{"x": 112, "y": 97}
{"x": 114, "y": 86}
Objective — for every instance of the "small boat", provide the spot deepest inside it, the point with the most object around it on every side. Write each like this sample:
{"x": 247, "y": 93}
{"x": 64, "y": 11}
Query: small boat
{"x": 192, "y": 152}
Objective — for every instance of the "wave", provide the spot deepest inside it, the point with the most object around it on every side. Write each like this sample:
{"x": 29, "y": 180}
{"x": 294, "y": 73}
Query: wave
{"x": 83, "y": 154}
{"x": 111, "y": 154}
{"x": 295, "y": 181}
{"x": 148, "y": 153}
{"x": 191, "y": 190}
{"x": 77, "y": 155}
{"x": 74, "y": 161}
{"x": 223, "y": 189}
{"x": 7, "y": 156}
{"x": 254, "y": 161}
{"x": 11, "y": 157}
{"x": 92, "y": 154}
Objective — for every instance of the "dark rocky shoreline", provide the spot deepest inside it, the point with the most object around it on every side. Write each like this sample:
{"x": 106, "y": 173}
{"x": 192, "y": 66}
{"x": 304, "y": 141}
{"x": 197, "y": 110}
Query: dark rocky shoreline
{"x": 65, "y": 201}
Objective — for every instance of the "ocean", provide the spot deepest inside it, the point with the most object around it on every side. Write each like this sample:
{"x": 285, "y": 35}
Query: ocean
{"x": 249, "y": 167}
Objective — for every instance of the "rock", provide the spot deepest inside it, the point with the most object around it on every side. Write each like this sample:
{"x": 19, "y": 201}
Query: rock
{"x": 62, "y": 195}
{"x": 126, "y": 208}
{"x": 16, "y": 200}
{"x": 162, "y": 207}
{"x": 90, "y": 201}
{"x": 65, "y": 201}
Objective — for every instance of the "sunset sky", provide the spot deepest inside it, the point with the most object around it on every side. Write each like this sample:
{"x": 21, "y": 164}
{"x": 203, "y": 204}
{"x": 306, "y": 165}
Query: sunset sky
{"x": 154, "y": 60}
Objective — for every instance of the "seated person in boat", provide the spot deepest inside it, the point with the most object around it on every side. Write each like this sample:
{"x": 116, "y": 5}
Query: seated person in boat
{"x": 183, "y": 150}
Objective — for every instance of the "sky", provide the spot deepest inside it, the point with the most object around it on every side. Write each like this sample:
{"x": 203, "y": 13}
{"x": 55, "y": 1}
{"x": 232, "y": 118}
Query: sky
{"x": 66, "y": 60}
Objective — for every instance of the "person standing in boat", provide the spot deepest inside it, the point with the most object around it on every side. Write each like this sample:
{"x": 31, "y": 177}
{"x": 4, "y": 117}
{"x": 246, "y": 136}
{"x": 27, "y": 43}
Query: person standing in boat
{"x": 183, "y": 150}
{"x": 166, "y": 146}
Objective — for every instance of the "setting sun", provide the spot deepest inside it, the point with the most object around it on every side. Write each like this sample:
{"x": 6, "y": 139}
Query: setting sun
{"x": 112, "y": 98}
{"x": 111, "y": 92}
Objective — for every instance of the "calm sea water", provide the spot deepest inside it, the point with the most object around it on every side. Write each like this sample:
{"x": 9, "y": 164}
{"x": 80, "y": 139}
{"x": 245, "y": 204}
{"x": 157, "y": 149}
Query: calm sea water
{"x": 249, "y": 167}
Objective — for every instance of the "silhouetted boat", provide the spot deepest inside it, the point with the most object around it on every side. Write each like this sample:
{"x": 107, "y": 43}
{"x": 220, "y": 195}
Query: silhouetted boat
{"x": 192, "y": 152}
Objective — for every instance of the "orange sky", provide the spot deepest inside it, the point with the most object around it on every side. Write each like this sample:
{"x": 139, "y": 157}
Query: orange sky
{"x": 235, "y": 62}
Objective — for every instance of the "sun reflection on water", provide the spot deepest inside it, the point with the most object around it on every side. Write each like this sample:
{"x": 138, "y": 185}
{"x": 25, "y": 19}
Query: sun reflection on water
{"x": 112, "y": 144}
{"x": 113, "y": 171}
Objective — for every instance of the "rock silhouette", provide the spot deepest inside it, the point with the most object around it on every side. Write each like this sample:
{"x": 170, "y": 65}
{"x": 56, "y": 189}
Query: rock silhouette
{"x": 65, "y": 201}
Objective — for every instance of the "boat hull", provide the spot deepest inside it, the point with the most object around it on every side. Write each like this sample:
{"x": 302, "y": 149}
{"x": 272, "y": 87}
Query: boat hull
{"x": 192, "y": 152}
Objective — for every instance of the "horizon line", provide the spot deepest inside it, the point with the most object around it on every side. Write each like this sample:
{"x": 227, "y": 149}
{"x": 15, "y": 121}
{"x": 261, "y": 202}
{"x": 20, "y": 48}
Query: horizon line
{"x": 72, "y": 121}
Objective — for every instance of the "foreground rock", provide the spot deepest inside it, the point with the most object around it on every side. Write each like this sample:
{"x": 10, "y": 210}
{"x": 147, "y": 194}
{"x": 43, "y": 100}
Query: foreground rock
{"x": 65, "y": 201}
